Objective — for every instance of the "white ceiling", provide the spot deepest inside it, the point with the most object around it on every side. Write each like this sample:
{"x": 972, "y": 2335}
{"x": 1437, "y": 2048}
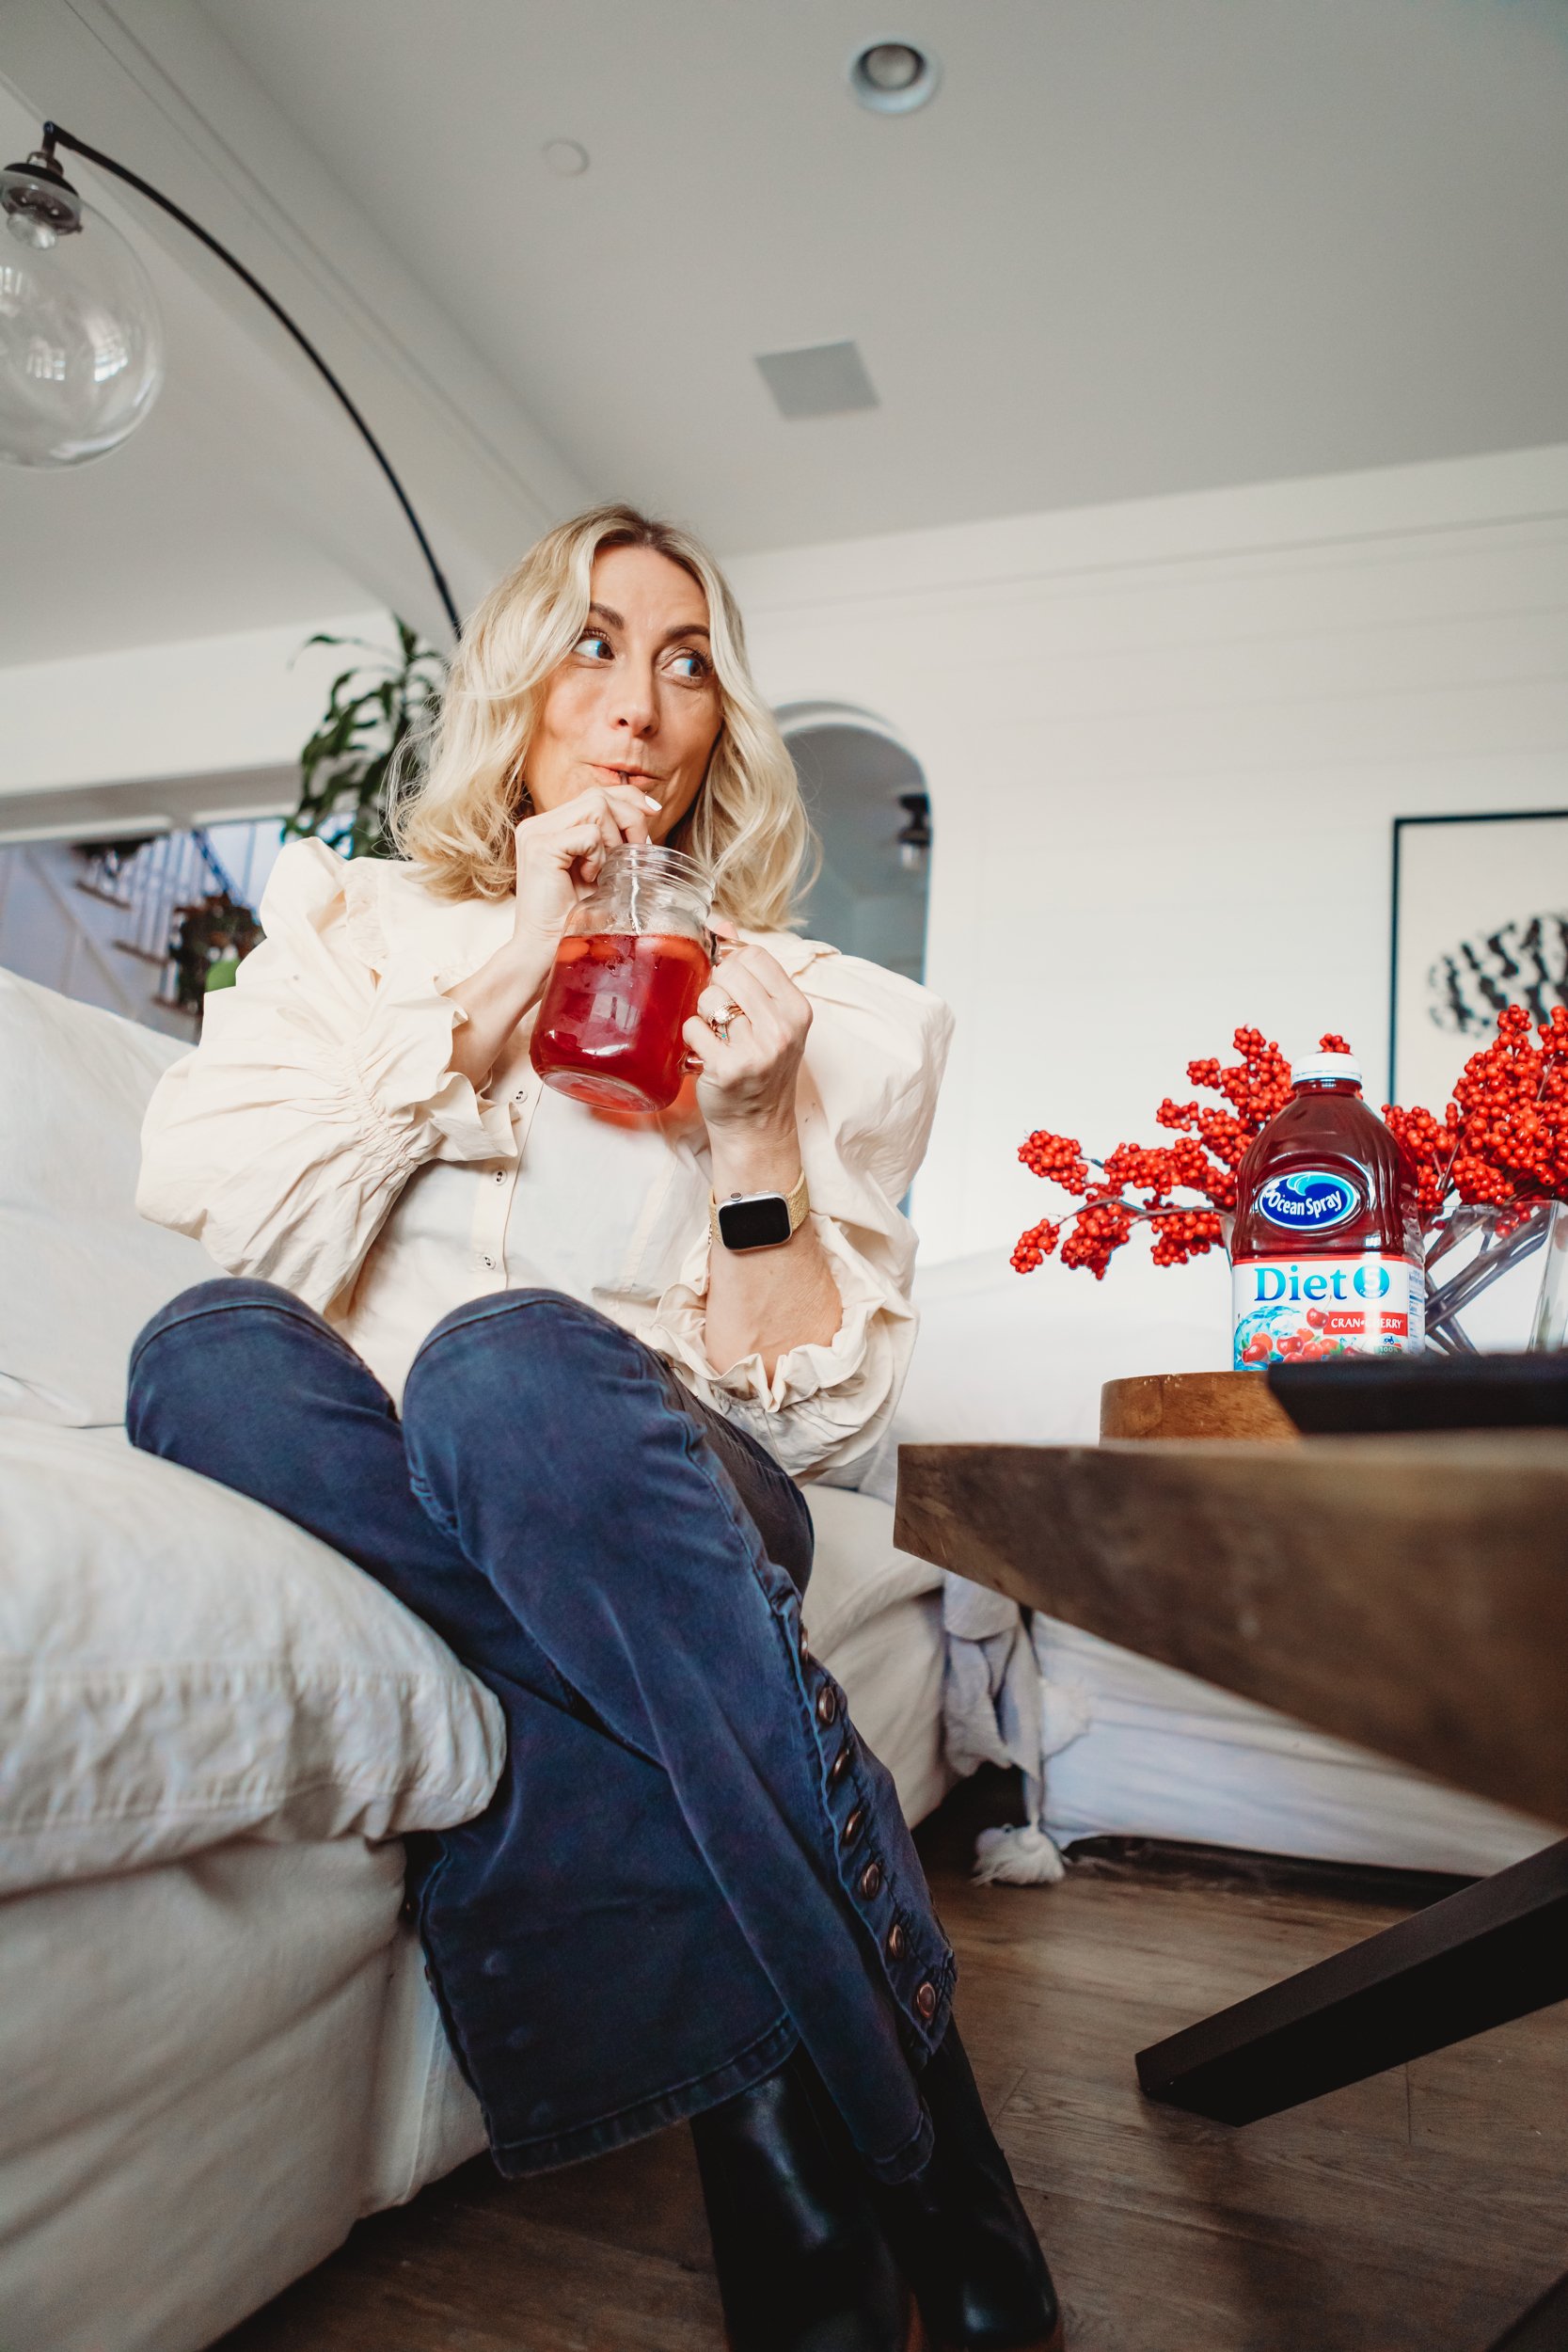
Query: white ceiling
{"x": 152, "y": 545}
{"x": 1133, "y": 246}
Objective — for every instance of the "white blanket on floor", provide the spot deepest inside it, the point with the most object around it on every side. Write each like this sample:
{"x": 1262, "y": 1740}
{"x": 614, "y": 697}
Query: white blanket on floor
{"x": 1113, "y": 1745}
{"x": 998, "y": 1708}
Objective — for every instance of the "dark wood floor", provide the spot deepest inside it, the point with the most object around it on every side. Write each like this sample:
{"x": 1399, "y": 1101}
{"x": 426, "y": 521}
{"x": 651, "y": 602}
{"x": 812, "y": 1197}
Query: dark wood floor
{"x": 1421, "y": 2210}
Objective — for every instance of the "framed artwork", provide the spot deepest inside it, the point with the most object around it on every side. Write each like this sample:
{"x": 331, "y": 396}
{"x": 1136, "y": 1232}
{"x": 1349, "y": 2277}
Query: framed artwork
{"x": 1480, "y": 922}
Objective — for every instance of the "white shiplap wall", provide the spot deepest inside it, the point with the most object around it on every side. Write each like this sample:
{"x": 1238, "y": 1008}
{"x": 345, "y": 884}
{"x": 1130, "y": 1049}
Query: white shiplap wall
{"x": 1165, "y": 743}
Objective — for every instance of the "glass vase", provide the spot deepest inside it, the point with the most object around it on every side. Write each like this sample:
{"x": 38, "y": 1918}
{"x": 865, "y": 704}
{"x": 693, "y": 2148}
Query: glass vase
{"x": 1551, "y": 1306}
{"x": 1497, "y": 1279}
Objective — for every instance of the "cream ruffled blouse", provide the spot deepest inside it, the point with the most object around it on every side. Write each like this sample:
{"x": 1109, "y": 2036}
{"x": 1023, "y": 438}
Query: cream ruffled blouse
{"x": 318, "y": 1137}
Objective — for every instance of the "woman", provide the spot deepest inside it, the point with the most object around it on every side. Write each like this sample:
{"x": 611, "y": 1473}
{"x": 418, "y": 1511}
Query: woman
{"x": 494, "y": 1348}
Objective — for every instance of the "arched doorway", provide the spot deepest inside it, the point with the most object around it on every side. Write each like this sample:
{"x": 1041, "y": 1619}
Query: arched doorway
{"x": 867, "y": 797}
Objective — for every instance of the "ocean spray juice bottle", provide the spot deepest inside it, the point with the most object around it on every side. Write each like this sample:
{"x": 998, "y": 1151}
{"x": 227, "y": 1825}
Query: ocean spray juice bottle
{"x": 1327, "y": 1249}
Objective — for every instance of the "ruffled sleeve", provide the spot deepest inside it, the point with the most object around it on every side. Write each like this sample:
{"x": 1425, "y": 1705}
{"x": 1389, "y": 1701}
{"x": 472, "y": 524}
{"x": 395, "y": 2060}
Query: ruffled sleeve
{"x": 322, "y": 1081}
{"x": 873, "y": 1064}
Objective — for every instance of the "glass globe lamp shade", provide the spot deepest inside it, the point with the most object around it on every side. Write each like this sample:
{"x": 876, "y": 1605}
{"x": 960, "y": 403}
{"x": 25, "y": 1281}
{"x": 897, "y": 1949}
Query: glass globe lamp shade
{"x": 81, "y": 338}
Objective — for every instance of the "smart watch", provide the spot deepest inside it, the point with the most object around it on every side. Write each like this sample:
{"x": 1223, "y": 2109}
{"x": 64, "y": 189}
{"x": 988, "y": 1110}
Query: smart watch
{"x": 759, "y": 1220}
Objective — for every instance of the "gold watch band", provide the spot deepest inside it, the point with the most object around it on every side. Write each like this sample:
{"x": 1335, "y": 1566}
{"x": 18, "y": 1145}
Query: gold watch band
{"x": 797, "y": 1201}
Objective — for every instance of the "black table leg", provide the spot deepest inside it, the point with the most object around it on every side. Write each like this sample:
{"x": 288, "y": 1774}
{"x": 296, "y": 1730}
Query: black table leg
{"x": 1543, "y": 2327}
{"x": 1494, "y": 1951}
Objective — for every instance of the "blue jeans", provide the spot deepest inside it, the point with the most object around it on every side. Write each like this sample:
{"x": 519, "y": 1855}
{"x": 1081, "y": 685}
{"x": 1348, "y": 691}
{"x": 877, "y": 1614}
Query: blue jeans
{"x": 691, "y": 1863}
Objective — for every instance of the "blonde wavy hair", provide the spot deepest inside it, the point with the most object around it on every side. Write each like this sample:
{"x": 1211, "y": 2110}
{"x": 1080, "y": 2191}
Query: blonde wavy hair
{"x": 454, "y": 813}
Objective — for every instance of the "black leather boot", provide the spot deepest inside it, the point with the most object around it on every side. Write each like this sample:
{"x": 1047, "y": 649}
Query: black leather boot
{"x": 962, "y": 2237}
{"x": 802, "y": 2267}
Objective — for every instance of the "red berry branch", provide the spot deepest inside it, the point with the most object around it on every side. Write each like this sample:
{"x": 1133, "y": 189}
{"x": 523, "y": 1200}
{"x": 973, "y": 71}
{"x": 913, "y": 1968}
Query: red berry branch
{"x": 1503, "y": 1139}
{"x": 1142, "y": 1183}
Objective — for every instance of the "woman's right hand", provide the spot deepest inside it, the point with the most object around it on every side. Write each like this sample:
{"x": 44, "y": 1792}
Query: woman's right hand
{"x": 559, "y": 853}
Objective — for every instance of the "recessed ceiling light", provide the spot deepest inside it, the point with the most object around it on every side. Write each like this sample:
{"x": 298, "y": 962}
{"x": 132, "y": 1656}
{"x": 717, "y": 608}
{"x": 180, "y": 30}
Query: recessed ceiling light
{"x": 894, "y": 77}
{"x": 566, "y": 158}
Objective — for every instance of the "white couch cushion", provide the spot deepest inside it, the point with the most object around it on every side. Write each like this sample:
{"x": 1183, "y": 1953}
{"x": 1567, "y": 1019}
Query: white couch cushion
{"x": 858, "y": 1570}
{"x": 179, "y": 1665}
{"x": 80, "y": 1271}
{"x": 190, "y": 2055}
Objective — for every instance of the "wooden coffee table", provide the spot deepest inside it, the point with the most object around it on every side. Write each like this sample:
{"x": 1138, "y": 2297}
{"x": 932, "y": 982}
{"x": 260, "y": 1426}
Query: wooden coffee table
{"x": 1409, "y": 1594}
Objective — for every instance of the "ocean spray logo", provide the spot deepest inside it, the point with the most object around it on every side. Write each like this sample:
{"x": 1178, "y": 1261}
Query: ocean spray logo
{"x": 1310, "y": 1202}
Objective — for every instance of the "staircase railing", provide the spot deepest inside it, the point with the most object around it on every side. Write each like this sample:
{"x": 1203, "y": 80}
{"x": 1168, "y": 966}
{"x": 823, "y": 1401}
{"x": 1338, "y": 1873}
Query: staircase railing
{"x": 152, "y": 878}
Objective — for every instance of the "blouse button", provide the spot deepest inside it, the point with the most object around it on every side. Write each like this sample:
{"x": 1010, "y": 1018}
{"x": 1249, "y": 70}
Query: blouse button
{"x": 926, "y": 2001}
{"x": 840, "y": 1764}
{"x": 871, "y": 1882}
{"x": 826, "y": 1704}
{"x": 897, "y": 1942}
{"x": 854, "y": 1825}
{"x": 500, "y": 1175}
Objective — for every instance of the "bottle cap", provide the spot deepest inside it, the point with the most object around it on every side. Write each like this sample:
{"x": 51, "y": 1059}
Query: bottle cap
{"x": 1324, "y": 1069}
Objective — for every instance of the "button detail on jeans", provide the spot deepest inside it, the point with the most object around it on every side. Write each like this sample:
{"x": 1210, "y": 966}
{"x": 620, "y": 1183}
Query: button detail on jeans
{"x": 897, "y": 1942}
{"x": 826, "y": 1704}
{"x": 854, "y": 1825}
{"x": 840, "y": 1764}
{"x": 871, "y": 1882}
{"x": 926, "y": 2001}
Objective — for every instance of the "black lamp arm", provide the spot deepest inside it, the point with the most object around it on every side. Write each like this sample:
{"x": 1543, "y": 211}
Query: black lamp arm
{"x": 54, "y": 136}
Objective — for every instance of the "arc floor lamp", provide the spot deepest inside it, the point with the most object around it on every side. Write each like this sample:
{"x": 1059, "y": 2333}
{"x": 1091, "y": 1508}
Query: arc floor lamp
{"x": 81, "y": 339}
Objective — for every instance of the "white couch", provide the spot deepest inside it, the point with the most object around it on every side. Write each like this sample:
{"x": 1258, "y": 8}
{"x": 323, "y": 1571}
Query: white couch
{"x": 217, "y": 2041}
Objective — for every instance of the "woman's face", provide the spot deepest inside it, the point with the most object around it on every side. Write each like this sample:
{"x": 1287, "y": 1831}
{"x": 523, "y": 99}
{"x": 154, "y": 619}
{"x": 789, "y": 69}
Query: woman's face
{"x": 636, "y": 700}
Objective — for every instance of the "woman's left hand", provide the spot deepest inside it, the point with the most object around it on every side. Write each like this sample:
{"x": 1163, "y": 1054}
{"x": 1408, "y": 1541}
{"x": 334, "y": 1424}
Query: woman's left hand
{"x": 748, "y": 1035}
{"x": 760, "y": 1302}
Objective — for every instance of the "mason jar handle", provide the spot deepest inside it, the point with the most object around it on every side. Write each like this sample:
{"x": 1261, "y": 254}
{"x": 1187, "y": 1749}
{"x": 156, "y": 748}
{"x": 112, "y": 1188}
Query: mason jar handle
{"x": 711, "y": 945}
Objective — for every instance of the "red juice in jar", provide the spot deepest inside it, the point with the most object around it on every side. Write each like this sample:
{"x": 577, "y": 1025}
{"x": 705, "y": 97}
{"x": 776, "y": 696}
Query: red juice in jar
{"x": 1326, "y": 1250}
{"x": 609, "y": 1026}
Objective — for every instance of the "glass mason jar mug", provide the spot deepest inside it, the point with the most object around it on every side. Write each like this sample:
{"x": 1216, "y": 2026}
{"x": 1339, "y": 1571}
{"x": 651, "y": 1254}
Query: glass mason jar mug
{"x": 634, "y": 958}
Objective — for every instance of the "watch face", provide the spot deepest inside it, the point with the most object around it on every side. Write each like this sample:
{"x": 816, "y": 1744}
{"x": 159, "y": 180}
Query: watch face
{"x": 757, "y": 1223}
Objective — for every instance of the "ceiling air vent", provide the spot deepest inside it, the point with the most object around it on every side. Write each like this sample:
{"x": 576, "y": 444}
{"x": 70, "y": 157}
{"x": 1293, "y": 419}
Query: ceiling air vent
{"x": 821, "y": 380}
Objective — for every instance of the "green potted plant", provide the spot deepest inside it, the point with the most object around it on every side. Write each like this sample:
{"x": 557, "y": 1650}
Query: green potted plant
{"x": 377, "y": 712}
